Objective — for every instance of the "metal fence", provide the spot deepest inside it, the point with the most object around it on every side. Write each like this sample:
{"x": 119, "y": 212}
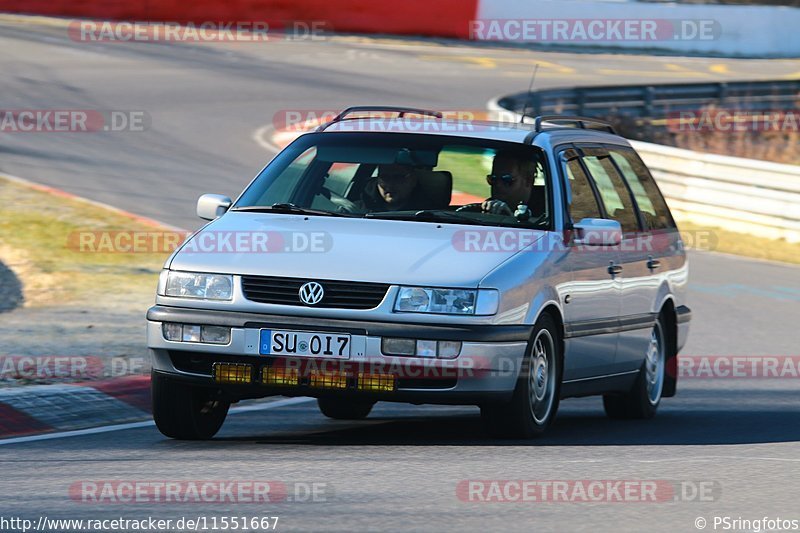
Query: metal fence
{"x": 655, "y": 101}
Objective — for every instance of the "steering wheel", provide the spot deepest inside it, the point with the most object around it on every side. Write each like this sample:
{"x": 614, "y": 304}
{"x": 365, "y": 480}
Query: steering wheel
{"x": 475, "y": 207}
{"x": 343, "y": 205}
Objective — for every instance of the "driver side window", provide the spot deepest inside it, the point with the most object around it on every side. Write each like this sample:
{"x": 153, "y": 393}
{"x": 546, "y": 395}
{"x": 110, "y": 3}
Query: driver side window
{"x": 583, "y": 203}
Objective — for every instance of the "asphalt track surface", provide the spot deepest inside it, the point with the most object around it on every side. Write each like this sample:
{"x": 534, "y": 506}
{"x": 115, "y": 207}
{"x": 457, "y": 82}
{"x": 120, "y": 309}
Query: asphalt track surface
{"x": 398, "y": 470}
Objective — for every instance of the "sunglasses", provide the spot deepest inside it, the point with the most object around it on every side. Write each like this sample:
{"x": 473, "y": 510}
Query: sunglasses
{"x": 507, "y": 179}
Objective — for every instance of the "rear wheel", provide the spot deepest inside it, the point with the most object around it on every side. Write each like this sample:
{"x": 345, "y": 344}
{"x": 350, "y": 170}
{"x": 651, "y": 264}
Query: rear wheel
{"x": 642, "y": 400}
{"x": 342, "y": 409}
{"x": 534, "y": 403}
{"x": 186, "y": 412}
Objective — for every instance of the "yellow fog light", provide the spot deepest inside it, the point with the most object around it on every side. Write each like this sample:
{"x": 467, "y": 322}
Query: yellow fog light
{"x": 232, "y": 372}
{"x": 271, "y": 375}
{"x": 328, "y": 380}
{"x": 376, "y": 382}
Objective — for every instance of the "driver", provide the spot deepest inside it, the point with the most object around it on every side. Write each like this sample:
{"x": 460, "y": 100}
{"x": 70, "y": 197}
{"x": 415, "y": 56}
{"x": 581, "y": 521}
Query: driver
{"x": 395, "y": 189}
{"x": 512, "y": 183}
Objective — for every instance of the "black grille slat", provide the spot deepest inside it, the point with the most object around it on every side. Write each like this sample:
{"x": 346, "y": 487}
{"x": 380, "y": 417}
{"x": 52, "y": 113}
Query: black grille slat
{"x": 270, "y": 291}
{"x": 350, "y": 299}
{"x": 338, "y": 294}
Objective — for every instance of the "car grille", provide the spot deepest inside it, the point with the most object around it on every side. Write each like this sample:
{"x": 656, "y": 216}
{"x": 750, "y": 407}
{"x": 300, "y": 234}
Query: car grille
{"x": 338, "y": 294}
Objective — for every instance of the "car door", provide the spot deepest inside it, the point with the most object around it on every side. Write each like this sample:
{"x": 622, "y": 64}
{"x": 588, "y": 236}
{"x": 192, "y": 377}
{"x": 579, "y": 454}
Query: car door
{"x": 646, "y": 259}
{"x": 591, "y": 299}
{"x": 636, "y": 283}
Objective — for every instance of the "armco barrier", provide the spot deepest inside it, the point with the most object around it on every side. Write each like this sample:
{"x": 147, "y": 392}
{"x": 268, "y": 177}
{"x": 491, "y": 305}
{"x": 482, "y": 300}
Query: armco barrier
{"x": 656, "y": 101}
{"x": 743, "y": 195}
{"x": 444, "y": 18}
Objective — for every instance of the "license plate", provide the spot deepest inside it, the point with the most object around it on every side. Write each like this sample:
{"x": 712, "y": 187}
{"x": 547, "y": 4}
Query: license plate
{"x": 304, "y": 344}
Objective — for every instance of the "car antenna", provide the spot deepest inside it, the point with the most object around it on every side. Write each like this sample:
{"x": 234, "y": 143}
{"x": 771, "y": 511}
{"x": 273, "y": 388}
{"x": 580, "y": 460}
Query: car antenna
{"x": 530, "y": 93}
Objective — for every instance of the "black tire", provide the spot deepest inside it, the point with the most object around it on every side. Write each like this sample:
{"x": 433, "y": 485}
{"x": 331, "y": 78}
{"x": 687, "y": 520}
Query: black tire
{"x": 535, "y": 401}
{"x": 671, "y": 381}
{"x": 642, "y": 401}
{"x": 343, "y": 409}
{"x": 186, "y": 412}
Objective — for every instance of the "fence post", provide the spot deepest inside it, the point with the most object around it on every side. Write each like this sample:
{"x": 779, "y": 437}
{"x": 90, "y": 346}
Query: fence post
{"x": 722, "y": 93}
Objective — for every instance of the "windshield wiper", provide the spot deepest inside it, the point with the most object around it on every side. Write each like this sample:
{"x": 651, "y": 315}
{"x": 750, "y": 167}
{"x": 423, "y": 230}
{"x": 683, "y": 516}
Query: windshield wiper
{"x": 290, "y": 209}
{"x": 427, "y": 215}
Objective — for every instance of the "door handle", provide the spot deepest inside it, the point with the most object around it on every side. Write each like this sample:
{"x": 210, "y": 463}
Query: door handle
{"x": 653, "y": 264}
{"x": 614, "y": 269}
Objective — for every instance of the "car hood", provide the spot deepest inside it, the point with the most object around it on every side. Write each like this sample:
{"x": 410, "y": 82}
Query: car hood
{"x": 381, "y": 251}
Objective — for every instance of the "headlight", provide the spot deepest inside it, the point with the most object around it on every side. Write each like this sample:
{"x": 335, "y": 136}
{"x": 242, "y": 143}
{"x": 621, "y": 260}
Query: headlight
{"x": 447, "y": 301}
{"x": 195, "y": 285}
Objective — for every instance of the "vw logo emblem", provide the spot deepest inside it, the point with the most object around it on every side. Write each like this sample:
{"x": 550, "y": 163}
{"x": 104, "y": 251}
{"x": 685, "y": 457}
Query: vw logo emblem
{"x": 311, "y": 293}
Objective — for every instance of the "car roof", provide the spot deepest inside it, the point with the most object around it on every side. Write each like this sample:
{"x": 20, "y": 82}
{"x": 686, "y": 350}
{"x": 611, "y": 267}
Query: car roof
{"x": 498, "y": 131}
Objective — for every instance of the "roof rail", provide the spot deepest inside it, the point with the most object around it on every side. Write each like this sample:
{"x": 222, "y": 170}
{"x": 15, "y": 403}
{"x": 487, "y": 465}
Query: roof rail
{"x": 401, "y": 112}
{"x": 580, "y": 122}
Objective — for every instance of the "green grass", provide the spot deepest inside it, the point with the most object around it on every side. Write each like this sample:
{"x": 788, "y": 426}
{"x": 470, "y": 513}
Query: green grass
{"x": 730, "y": 242}
{"x": 468, "y": 169}
{"x": 40, "y": 233}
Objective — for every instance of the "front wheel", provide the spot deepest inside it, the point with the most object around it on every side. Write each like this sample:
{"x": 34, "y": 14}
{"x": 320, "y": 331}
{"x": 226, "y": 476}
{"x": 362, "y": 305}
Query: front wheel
{"x": 642, "y": 401}
{"x": 534, "y": 403}
{"x": 340, "y": 409}
{"x": 186, "y": 412}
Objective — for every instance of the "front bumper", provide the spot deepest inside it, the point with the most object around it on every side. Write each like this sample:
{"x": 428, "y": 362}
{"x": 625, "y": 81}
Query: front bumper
{"x": 486, "y": 369}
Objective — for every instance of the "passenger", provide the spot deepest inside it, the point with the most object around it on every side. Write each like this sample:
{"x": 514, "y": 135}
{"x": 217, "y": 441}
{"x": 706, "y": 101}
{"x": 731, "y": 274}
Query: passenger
{"x": 395, "y": 189}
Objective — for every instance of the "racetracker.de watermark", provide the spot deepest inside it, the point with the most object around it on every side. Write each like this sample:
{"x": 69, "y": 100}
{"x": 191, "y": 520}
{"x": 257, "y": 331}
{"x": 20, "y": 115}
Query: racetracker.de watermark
{"x": 738, "y": 367}
{"x": 400, "y": 367}
{"x": 595, "y": 30}
{"x": 53, "y": 368}
{"x": 206, "y": 242}
{"x": 504, "y": 240}
{"x": 452, "y": 120}
{"x": 198, "y": 491}
{"x": 733, "y": 121}
{"x": 586, "y": 491}
{"x": 72, "y": 121}
{"x": 209, "y": 31}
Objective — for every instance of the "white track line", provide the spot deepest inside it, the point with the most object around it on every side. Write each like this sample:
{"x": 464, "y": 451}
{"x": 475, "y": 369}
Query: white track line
{"x": 147, "y": 423}
{"x": 260, "y": 136}
{"x": 50, "y": 190}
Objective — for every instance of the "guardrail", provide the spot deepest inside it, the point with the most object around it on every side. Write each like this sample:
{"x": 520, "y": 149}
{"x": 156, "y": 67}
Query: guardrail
{"x": 744, "y": 195}
{"x": 738, "y": 194}
{"x": 649, "y": 101}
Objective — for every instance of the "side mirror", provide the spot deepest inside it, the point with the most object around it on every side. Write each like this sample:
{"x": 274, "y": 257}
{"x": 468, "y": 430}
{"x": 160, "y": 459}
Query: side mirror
{"x": 211, "y": 206}
{"x": 598, "y": 232}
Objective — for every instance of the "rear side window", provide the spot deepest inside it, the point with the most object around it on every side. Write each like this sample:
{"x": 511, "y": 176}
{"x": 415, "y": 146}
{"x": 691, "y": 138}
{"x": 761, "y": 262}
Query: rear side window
{"x": 651, "y": 203}
{"x": 613, "y": 192}
{"x": 583, "y": 203}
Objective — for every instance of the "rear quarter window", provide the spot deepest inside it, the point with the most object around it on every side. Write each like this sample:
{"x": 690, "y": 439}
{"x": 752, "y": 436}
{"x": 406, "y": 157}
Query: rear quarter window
{"x": 648, "y": 197}
{"x": 613, "y": 192}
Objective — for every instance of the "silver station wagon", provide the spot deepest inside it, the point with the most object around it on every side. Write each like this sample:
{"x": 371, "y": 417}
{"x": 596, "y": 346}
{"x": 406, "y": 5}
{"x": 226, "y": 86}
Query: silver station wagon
{"x": 423, "y": 260}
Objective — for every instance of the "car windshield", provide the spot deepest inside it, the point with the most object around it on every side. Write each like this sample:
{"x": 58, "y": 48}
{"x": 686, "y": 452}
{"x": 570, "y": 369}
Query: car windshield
{"x": 425, "y": 178}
